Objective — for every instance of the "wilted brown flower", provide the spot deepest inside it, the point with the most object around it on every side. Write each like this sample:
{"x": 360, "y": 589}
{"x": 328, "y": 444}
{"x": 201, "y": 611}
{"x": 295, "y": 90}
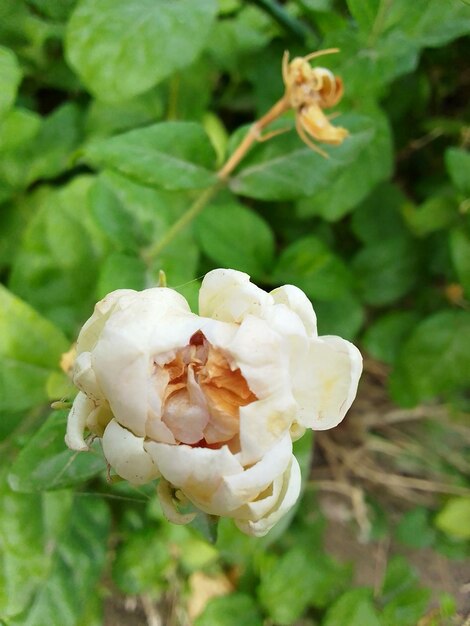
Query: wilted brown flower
{"x": 309, "y": 90}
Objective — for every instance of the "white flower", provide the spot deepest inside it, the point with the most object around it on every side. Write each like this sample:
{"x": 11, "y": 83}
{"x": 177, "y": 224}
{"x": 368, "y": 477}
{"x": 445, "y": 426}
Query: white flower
{"x": 210, "y": 403}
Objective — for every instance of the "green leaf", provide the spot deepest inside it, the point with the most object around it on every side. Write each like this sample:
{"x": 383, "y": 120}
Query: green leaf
{"x": 227, "y": 611}
{"x": 10, "y": 78}
{"x": 407, "y": 608}
{"x": 286, "y": 169}
{"x": 23, "y": 561}
{"x": 57, "y": 263}
{"x": 460, "y": 251}
{"x": 434, "y": 214}
{"x": 435, "y": 360}
{"x": 353, "y": 184}
{"x": 385, "y": 336}
{"x": 454, "y": 518}
{"x": 104, "y": 119}
{"x": 77, "y": 561}
{"x": 45, "y": 463}
{"x": 121, "y": 48}
{"x": 414, "y": 529}
{"x": 312, "y": 266}
{"x": 387, "y": 270}
{"x": 142, "y": 563}
{"x": 39, "y": 148}
{"x": 234, "y": 236}
{"x": 120, "y": 271}
{"x": 30, "y": 347}
{"x": 171, "y": 155}
{"x": 364, "y": 12}
{"x": 295, "y": 581}
{"x": 342, "y": 316}
{"x": 458, "y": 166}
{"x": 353, "y": 608}
{"x": 429, "y": 22}
{"x": 379, "y": 216}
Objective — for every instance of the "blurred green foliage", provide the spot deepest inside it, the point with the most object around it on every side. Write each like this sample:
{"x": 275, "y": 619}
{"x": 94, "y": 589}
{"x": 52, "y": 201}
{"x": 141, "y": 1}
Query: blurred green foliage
{"x": 114, "y": 115}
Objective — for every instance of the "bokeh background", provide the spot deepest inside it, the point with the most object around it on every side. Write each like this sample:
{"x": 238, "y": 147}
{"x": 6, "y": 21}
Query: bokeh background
{"x": 114, "y": 117}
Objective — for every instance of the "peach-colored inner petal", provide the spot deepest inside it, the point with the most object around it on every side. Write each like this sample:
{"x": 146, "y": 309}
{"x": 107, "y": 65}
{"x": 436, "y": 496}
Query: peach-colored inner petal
{"x": 203, "y": 395}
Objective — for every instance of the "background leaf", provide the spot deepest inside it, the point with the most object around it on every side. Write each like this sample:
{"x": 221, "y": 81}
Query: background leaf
{"x": 121, "y": 49}
{"x": 30, "y": 347}
{"x": 45, "y": 463}
{"x": 170, "y": 155}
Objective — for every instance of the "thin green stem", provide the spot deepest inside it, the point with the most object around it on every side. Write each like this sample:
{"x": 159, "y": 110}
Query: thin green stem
{"x": 153, "y": 251}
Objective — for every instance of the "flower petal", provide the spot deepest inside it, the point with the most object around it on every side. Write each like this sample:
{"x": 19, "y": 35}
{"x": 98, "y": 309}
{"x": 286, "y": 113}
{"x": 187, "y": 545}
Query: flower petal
{"x": 263, "y": 424}
{"x": 238, "y": 489}
{"x": 328, "y": 383}
{"x": 127, "y": 456}
{"x": 198, "y": 472}
{"x": 297, "y": 301}
{"x": 92, "y": 328}
{"x": 288, "y": 497}
{"x": 228, "y": 296}
{"x": 76, "y": 422}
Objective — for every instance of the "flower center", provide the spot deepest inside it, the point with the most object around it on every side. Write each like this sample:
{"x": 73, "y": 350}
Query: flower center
{"x": 203, "y": 394}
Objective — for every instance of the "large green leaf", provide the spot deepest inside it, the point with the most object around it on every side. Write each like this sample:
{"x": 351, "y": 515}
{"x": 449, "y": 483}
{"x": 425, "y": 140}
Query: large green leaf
{"x": 170, "y": 155}
{"x": 39, "y": 148}
{"x": 45, "y": 463}
{"x": 233, "y": 236}
{"x": 353, "y": 608}
{"x": 435, "y": 360}
{"x": 460, "y": 252}
{"x": 135, "y": 216}
{"x": 78, "y": 557}
{"x": 23, "y": 561}
{"x": 364, "y": 13}
{"x": 227, "y": 611}
{"x": 57, "y": 262}
{"x": 30, "y": 347}
{"x": 458, "y": 166}
{"x": 385, "y": 336}
{"x": 293, "y": 582}
{"x": 429, "y": 22}
{"x": 353, "y": 184}
{"x": 386, "y": 270}
{"x": 454, "y": 519}
{"x": 379, "y": 217}
{"x": 284, "y": 168}
{"x": 10, "y": 77}
{"x": 122, "y": 48}
{"x": 309, "y": 264}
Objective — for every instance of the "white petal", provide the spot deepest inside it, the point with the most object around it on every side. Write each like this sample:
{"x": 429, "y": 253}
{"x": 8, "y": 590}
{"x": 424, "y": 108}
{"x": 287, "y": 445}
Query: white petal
{"x": 126, "y": 454}
{"x": 328, "y": 384}
{"x": 228, "y": 296}
{"x": 92, "y": 328}
{"x": 76, "y": 422}
{"x": 158, "y": 431}
{"x": 124, "y": 357}
{"x": 297, "y": 301}
{"x": 84, "y": 377}
{"x": 185, "y": 420}
{"x": 287, "y": 499}
{"x": 238, "y": 489}
{"x": 263, "y": 424}
{"x": 266, "y": 501}
{"x": 198, "y": 472}
{"x": 260, "y": 354}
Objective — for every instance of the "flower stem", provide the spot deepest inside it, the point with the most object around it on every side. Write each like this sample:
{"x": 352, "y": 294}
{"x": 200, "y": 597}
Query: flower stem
{"x": 153, "y": 251}
{"x": 254, "y": 134}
